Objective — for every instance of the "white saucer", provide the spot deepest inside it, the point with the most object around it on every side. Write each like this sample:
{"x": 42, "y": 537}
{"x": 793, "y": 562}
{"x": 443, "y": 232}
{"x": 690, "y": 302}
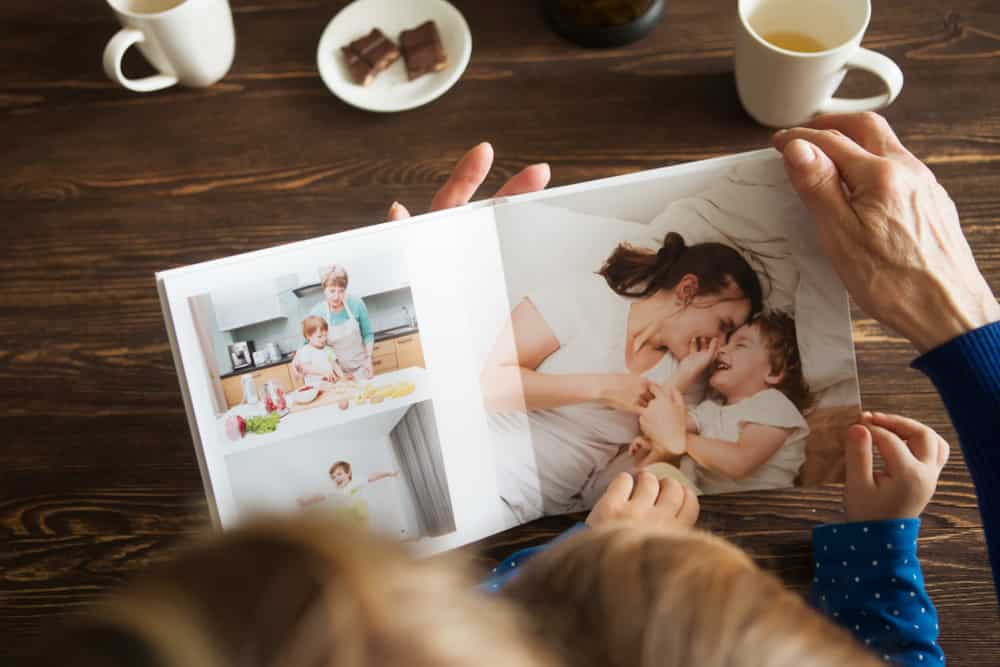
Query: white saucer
{"x": 391, "y": 90}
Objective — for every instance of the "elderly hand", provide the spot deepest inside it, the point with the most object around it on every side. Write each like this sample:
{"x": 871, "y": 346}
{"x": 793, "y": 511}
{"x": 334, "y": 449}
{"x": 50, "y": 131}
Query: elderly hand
{"x": 914, "y": 456}
{"x": 469, "y": 174}
{"x": 893, "y": 235}
{"x": 663, "y": 504}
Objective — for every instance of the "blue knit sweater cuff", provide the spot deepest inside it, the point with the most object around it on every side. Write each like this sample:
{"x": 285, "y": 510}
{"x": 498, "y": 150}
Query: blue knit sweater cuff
{"x": 965, "y": 366}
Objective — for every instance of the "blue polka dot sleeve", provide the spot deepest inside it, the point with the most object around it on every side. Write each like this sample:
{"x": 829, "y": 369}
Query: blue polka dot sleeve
{"x": 866, "y": 578}
{"x": 506, "y": 570}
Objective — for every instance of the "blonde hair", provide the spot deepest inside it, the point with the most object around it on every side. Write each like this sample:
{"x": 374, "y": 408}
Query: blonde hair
{"x": 304, "y": 592}
{"x": 632, "y": 597}
{"x": 336, "y": 276}
{"x": 311, "y": 323}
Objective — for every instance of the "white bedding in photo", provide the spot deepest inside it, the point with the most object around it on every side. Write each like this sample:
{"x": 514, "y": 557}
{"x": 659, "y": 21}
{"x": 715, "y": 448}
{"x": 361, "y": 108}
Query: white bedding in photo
{"x": 751, "y": 208}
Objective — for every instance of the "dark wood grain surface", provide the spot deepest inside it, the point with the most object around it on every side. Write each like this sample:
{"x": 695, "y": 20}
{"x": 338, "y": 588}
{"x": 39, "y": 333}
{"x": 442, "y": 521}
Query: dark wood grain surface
{"x": 100, "y": 188}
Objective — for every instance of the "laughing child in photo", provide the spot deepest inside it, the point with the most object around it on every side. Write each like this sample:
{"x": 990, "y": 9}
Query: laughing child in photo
{"x": 345, "y": 496}
{"x": 314, "y": 361}
{"x": 751, "y": 433}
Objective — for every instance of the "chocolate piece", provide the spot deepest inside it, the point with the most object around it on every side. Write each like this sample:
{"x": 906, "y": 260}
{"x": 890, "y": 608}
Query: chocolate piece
{"x": 361, "y": 72}
{"x": 369, "y": 55}
{"x": 422, "y": 50}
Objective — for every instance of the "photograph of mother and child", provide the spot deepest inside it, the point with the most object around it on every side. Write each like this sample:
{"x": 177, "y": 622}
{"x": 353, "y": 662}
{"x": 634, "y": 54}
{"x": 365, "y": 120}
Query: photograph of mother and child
{"x": 680, "y": 345}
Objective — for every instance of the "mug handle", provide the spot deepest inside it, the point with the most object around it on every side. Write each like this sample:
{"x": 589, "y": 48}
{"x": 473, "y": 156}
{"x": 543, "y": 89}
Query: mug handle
{"x": 880, "y": 66}
{"x": 113, "y": 53}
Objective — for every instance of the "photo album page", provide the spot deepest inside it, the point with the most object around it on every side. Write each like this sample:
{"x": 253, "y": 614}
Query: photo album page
{"x": 447, "y": 377}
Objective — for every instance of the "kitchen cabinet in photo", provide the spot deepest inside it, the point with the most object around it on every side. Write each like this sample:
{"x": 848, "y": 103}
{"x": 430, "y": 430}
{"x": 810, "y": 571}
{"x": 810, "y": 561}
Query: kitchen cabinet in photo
{"x": 402, "y": 352}
{"x": 409, "y": 352}
{"x": 248, "y": 306}
{"x": 232, "y": 386}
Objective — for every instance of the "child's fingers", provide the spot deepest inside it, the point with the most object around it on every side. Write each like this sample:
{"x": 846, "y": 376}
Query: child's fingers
{"x": 671, "y": 496}
{"x": 894, "y": 451}
{"x": 943, "y": 452}
{"x": 655, "y": 389}
{"x": 688, "y": 513}
{"x": 858, "y": 457}
{"x": 639, "y": 447}
{"x": 713, "y": 348}
{"x": 620, "y": 487}
{"x": 646, "y": 489}
{"x": 922, "y": 439}
{"x": 651, "y": 456}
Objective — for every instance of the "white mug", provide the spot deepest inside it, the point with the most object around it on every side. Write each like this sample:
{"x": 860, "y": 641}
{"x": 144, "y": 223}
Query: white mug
{"x": 190, "y": 42}
{"x": 781, "y": 87}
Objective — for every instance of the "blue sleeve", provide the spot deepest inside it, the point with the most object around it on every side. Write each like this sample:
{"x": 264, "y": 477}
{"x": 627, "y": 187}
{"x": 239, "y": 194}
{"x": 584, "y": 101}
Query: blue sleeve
{"x": 966, "y": 372}
{"x": 505, "y": 571}
{"x": 360, "y": 311}
{"x": 867, "y": 579}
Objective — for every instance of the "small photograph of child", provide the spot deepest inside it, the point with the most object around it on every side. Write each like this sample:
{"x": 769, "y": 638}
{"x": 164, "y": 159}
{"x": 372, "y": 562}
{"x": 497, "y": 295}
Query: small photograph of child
{"x": 689, "y": 325}
{"x": 385, "y": 471}
{"x": 345, "y": 497}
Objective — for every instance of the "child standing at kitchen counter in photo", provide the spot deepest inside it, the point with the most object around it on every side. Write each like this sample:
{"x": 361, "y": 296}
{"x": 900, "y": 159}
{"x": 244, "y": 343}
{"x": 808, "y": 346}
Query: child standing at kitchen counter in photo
{"x": 754, "y": 437}
{"x": 314, "y": 361}
{"x": 345, "y": 497}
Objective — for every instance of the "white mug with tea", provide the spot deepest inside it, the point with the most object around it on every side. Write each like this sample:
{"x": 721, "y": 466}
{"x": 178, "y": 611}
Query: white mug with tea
{"x": 791, "y": 55}
{"x": 190, "y": 42}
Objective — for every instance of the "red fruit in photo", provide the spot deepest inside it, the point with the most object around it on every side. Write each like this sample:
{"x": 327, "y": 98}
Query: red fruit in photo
{"x": 236, "y": 427}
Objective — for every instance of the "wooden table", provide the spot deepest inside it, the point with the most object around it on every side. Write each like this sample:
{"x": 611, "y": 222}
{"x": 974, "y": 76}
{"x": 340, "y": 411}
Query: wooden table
{"x": 101, "y": 187}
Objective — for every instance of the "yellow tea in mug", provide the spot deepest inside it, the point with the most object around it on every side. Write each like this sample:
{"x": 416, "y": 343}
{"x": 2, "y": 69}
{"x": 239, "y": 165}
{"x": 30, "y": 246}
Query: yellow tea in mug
{"x": 794, "y": 41}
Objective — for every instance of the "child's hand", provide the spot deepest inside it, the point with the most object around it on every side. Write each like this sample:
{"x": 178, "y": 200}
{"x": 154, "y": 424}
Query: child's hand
{"x": 664, "y": 425}
{"x": 701, "y": 352}
{"x": 914, "y": 456}
{"x": 664, "y": 504}
{"x": 627, "y": 392}
{"x": 639, "y": 448}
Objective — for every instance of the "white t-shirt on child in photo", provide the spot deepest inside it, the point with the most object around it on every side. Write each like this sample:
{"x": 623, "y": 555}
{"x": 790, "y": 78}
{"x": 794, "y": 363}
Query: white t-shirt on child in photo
{"x": 724, "y": 422}
{"x": 316, "y": 359}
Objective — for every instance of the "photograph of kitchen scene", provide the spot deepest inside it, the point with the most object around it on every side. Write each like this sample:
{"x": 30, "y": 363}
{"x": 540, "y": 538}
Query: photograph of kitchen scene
{"x": 298, "y": 351}
{"x": 384, "y": 471}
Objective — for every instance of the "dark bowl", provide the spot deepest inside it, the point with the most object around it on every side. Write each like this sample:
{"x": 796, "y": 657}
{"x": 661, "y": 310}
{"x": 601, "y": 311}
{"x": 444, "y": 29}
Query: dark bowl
{"x": 593, "y": 36}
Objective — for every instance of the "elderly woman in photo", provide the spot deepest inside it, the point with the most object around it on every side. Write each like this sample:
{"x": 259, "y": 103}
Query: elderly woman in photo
{"x": 585, "y": 353}
{"x": 349, "y": 330}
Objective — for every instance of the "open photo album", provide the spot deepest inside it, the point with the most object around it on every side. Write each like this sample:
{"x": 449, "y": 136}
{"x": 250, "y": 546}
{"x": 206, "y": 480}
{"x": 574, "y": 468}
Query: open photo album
{"x": 447, "y": 377}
